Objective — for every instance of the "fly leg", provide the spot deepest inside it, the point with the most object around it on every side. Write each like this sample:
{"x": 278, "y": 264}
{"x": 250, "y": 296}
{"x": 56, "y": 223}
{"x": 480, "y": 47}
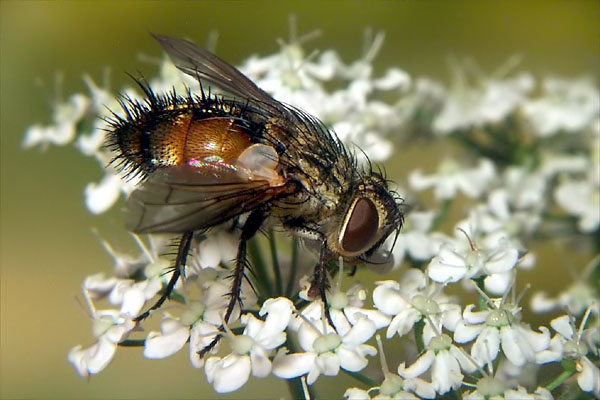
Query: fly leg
{"x": 251, "y": 226}
{"x": 182, "y": 253}
{"x": 320, "y": 284}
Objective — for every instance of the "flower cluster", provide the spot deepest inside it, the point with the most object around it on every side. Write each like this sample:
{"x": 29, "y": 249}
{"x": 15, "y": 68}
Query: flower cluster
{"x": 529, "y": 172}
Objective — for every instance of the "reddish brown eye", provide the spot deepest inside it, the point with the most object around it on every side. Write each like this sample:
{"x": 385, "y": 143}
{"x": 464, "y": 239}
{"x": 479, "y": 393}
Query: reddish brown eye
{"x": 361, "y": 227}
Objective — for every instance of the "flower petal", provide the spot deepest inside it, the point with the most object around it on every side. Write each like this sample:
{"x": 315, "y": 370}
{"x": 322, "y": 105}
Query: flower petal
{"x": 227, "y": 374}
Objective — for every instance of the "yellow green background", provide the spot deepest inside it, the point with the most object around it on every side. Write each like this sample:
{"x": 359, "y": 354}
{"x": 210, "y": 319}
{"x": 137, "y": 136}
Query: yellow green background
{"x": 47, "y": 244}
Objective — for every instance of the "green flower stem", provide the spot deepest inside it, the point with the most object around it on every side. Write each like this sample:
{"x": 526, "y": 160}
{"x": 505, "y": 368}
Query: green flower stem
{"x": 559, "y": 380}
{"x": 262, "y": 280}
{"x": 293, "y": 269}
{"x": 362, "y": 378}
{"x": 441, "y": 216}
{"x": 481, "y": 300}
{"x": 419, "y": 326}
{"x": 275, "y": 263}
{"x": 132, "y": 343}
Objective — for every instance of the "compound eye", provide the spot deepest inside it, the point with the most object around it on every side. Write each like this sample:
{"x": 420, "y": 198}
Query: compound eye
{"x": 361, "y": 227}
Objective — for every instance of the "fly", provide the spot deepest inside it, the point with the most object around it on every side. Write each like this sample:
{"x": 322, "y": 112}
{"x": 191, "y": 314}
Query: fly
{"x": 208, "y": 159}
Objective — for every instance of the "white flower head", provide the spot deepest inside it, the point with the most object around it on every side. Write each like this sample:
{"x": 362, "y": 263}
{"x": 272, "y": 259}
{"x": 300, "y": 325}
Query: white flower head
{"x": 345, "y": 307}
{"x": 109, "y": 327}
{"x": 199, "y": 322}
{"x": 491, "y": 388}
{"x": 500, "y": 327}
{"x": 463, "y": 259}
{"x": 566, "y": 105}
{"x": 446, "y": 362}
{"x": 325, "y": 351}
{"x": 489, "y": 100}
{"x": 64, "y": 129}
{"x": 250, "y": 351}
{"x": 393, "y": 386}
{"x": 415, "y": 240}
{"x": 576, "y": 298}
{"x": 452, "y": 178}
{"x": 576, "y": 349}
{"x": 411, "y": 300}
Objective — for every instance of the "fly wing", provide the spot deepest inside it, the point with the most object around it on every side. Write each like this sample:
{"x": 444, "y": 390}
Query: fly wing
{"x": 202, "y": 64}
{"x": 183, "y": 198}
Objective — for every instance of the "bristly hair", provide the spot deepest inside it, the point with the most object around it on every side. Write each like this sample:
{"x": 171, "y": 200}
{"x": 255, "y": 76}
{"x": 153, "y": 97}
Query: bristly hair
{"x": 129, "y": 135}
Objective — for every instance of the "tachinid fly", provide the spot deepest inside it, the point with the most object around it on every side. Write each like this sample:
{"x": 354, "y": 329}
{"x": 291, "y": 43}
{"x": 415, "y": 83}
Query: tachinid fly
{"x": 205, "y": 160}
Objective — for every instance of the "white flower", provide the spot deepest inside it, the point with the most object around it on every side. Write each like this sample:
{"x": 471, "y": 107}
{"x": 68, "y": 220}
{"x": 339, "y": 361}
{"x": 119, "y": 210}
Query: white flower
{"x": 326, "y": 352}
{"x": 581, "y": 198}
{"x": 415, "y": 239}
{"x": 491, "y": 388}
{"x": 411, "y": 300}
{"x": 446, "y": 362}
{"x": 345, "y": 308}
{"x": 575, "y": 298}
{"x": 499, "y": 216}
{"x": 463, "y": 259}
{"x": 500, "y": 327}
{"x": 218, "y": 247}
{"x": 66, "y": 117}
{"x": 573, "y": 348}
{"x": 568, "y": 105}
{"x": 489, "y": 100}
{"x": 251, "y": 350}
{"x": 199, "y": 322}
{"x": 109, "y": 327}
{"x": 451, "y": 178}
{"x": 100, "y": 197}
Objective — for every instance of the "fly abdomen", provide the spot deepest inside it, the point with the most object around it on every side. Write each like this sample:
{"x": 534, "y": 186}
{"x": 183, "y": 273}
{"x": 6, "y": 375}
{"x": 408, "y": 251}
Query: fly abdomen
{"x": 172, "y": 131}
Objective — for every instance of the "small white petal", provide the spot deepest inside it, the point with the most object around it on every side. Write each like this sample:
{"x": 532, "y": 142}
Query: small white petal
{"x": 360, "y": 333}
{"x": 292, "y": 365}
{"x": 169, "y": 341}
{"x": 350, "y": 360}
{"x": 100, "y": 355}
{"x": 445, "y": 372}
{"x": 356, "y": 394}
{"x": 201, "y": 335}
{"x": 261, "y": 365}
{"x": 328, "y": 363}
{"x": 227, "y": 374}
{"x": 486, "y": 347}
{"x": 419, "y": 367}
{"x": 515, "y": 348}
{"x": 100, "y": 197}
{"x": 387, "y": 298}
{"x": 589, "y": 377}
{"x": 465, "y": 332}
{"x": 133, "y": 301}
{"x": 503, "y": 261}
{"x": 563, "y": 326}
{"x": 498, "y": 284}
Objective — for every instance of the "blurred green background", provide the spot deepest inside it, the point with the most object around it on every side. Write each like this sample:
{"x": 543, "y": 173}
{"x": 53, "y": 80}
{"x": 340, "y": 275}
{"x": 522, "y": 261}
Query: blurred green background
{"x": 47, "y": 245}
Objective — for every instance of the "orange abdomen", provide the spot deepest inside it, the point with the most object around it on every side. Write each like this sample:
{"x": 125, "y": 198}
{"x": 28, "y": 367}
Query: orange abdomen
{"x": 179, "y": 138}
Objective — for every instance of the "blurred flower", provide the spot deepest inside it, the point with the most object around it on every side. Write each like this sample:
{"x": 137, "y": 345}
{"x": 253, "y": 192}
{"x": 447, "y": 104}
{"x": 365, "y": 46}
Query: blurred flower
{"x": 566, "y": 105}
{"x": 451, "y": 177}
{"x": 572, "y": 347}
{"x": 489, "y": 100}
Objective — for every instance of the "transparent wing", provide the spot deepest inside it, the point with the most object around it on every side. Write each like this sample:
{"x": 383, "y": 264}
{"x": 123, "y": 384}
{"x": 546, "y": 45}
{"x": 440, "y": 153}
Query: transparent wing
{"x": 202, "y": 64}
{"x": 183, "y": 198}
